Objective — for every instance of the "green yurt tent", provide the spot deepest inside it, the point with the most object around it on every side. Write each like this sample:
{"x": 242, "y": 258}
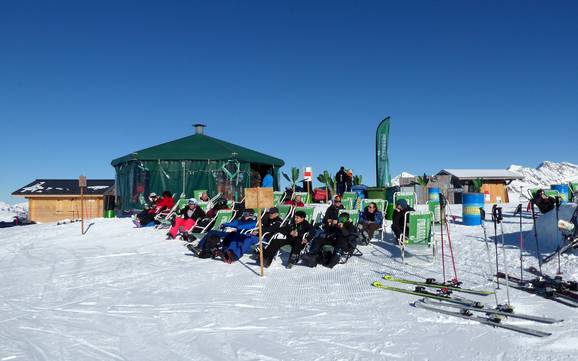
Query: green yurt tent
{"x": 191, "y": 163}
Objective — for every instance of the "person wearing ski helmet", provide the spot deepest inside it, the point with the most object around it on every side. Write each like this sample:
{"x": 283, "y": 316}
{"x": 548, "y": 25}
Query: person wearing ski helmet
{"x": 401, "y": 208}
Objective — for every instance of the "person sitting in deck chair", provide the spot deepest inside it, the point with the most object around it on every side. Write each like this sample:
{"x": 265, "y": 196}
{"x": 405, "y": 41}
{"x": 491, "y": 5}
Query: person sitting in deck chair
{"x": 204, "y": 197}
{"x": 331, "y": 216}
{"x": 342, "y": 236}
{"x": 216, "y": 242}
{"x": 401, "y": 208}
{"x": 153, "y": 199}
{"x": 187, "y": 218}
{"x": 165, "y": 203}
{"x": 370, "y": 220}
{"x": 545, "y": 204}
{"x": 297, "y": 202}
{"x": 297, "y": 235}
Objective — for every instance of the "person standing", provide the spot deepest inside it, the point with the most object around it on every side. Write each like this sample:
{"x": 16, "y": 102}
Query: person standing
{"x": 267, "y": 180}
{"x": 340, "y": 181}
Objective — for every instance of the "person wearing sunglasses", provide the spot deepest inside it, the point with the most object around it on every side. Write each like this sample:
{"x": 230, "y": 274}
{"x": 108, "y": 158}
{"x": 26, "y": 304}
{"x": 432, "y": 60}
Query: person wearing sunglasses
{"x": 370, "y": 220}
{"x": 331, "y": 216}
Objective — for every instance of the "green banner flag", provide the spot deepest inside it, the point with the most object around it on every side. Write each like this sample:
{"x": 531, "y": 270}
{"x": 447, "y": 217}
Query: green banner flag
{"x": 381, "y": 156}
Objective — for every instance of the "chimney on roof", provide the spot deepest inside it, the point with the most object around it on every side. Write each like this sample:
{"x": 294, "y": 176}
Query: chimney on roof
{"x": 199, "y": 128}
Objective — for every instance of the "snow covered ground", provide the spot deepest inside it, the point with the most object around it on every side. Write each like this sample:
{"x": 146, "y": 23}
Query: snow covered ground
{"x": 119, "y": 293}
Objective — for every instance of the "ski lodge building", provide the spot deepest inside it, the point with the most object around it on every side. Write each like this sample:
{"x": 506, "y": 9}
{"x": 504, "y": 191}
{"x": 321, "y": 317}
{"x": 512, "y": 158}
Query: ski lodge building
{"x": 455, "y": 182}
{"x": 52, "y": 200}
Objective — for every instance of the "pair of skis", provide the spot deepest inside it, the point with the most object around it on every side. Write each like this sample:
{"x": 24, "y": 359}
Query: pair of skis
{"x": 440, "y": 301}
{"x": 543, "y": 288}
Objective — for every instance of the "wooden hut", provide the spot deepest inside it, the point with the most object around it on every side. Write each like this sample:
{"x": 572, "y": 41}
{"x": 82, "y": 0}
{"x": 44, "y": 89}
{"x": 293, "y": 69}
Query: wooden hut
{"x": 52, "y": 200}
{"x": 494, "y": 183}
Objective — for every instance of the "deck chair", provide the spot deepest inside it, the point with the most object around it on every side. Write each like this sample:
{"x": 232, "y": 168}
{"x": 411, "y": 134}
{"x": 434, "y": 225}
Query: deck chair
{"x": 197, "y": 193}
{"x": 204, "y": 206}
{"x": 348, "y": 199}
{"x": 222, "y": 216}
{"x": 420, "y": 232}
{"x": 278, "y": 198}
{"x": 548, "y": 192}
{"x": 381, "y": 206}
{"x": 285, "y": 213}
{"x": 410, "y": 197}
{"x": 434, "y": 207}
{"x": 305, "y": 197}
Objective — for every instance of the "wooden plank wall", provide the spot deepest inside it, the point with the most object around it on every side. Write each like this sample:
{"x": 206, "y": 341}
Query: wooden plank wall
{"x": 53, "y": 209}
{"x": 496, "y": 189}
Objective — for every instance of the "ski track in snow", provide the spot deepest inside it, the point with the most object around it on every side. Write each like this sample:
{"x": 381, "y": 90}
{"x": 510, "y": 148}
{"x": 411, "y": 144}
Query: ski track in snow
{"x": 119, "y": 293}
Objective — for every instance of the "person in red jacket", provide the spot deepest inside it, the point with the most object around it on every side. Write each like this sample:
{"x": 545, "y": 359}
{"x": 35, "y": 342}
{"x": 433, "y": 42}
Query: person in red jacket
{"x": 297, "y": 202}
{"x": 166, "y": 202}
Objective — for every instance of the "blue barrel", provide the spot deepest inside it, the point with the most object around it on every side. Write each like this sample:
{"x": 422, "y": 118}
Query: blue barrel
{"x": 472, "y": 202}
{"x": 433, "y": 194}
{"x": 563, "y": 189}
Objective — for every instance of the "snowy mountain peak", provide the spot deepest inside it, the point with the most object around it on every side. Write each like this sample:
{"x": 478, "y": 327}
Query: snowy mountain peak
{"x": 546, "y": 174}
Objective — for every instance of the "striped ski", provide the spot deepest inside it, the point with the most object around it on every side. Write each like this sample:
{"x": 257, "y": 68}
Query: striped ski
{"x": 494, "y": 311}
{"x": 438, "y": 285}
{"x": 493, "y": 321}
{"x": 436, "y": 296}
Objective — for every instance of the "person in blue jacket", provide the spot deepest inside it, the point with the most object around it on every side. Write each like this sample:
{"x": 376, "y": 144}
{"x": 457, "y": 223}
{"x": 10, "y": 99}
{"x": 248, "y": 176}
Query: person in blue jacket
{"x": 216, "y": 243}
{"x": 267, "y": 180}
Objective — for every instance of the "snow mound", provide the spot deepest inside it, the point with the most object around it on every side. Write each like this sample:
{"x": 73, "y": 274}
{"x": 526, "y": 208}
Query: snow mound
{"x": 543, "y": 176}
{"x": 395, "y": 180}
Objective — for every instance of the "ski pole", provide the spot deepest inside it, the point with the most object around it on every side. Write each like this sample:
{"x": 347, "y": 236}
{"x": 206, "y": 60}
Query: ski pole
{"x": 494, "y": 208}
{"x": 442, "y": 215}
{"x": 519, "y": 209}
{"x": 536, "y": 236}
{"x": 499, "y": 219}
{"x": 483, "y": 216}
{"x": 455, "y": 280}
{"x": 558, "y": 232}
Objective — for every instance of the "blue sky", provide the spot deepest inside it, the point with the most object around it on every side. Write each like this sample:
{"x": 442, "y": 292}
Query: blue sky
{"x": 466, "y": 83}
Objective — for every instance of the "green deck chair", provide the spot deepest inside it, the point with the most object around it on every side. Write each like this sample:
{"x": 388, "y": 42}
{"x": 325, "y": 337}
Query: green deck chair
{"x": 278, "y": 198}
{"x": 204, "y": 206}
{"x": 348, "y": 199}
{"x": 410, "y": 197}
{"x": 548, "y": 192}
{"x": 420, "y": 232}
{"x": 353, "y": 215}
{"x": 197, "y": 193}
{"x": 165, "y": 220}
{"x": 222, "y": 216}
{"x": 434, "y": 207}
{"x": 285, "y": 212}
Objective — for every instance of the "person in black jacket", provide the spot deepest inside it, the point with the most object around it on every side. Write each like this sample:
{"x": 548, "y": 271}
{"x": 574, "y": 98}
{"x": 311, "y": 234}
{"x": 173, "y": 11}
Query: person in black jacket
{"x": 341, "y": 180}
{"x": 297, "y": 235}
{"x": 331, "y": 216}
{"x": 342, "y": 236}
{"x": 545, "y": 204}
{"x": 401, "y": 208}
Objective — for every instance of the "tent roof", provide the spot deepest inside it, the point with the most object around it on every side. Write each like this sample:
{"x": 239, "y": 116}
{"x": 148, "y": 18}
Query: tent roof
{"x": 199, "y": 147}
{"x": 53, "y": 187}
{"x": 469, "y": 174}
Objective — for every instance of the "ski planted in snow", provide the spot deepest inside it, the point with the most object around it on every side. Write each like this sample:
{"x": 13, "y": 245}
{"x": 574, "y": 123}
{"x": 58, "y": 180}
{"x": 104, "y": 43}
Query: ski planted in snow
{"x": 543, "y": 290}
{"x": 494, "y": 311}
{"x": 492, "y": 320}
{"x": 430, "y": 282}
{"x": 421, "y": 291}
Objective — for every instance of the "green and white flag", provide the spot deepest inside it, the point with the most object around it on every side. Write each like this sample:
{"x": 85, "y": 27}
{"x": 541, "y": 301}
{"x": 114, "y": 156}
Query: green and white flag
{"x": 381, "y": 156}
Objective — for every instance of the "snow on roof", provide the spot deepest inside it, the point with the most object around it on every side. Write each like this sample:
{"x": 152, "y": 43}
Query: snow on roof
{"x": 481, "y": 173}
{"x": 42, "y": 187}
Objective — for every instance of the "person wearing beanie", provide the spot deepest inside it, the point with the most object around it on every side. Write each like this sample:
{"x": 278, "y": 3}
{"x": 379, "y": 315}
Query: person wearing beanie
{"x": 401, "y": 208}
{"x": 331, "y": 216}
